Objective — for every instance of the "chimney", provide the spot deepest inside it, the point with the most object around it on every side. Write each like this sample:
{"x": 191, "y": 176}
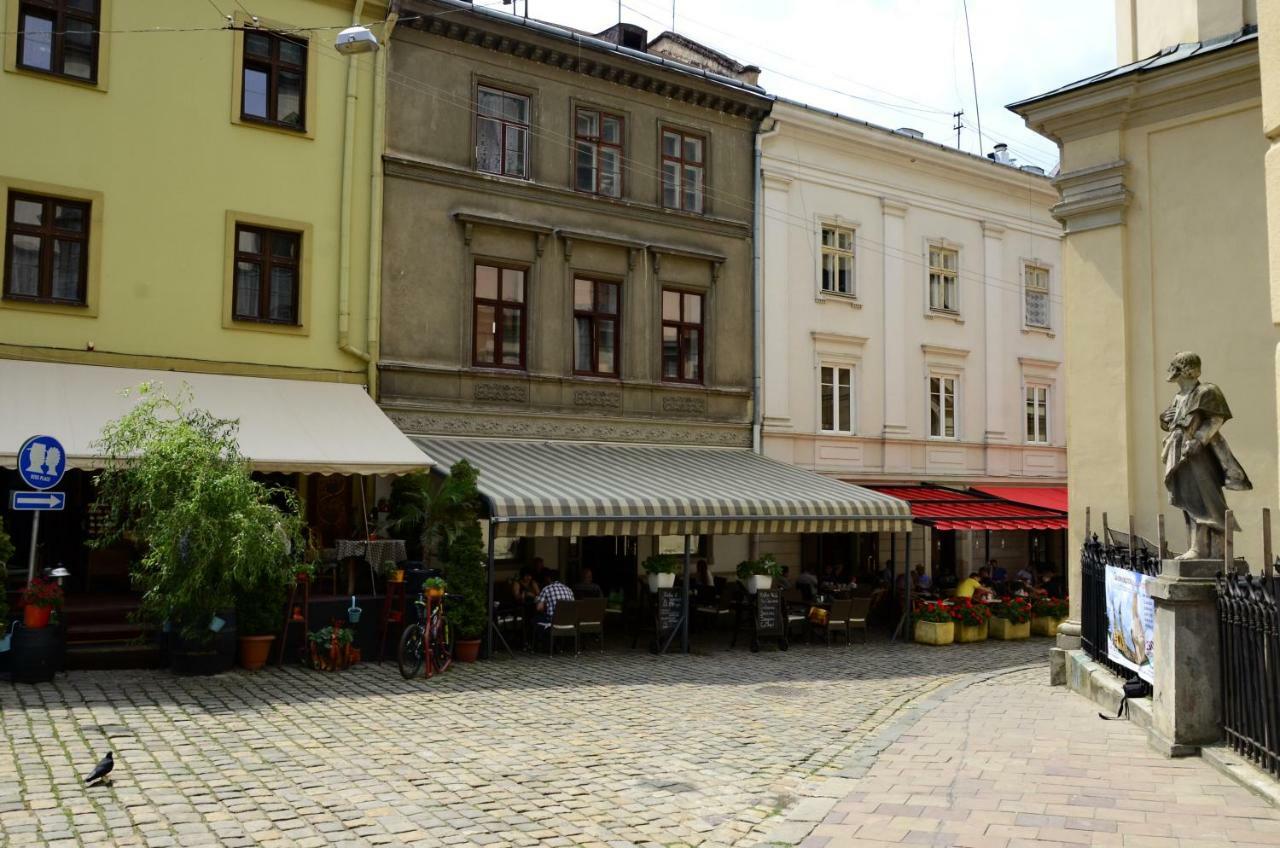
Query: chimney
{"x": 1000, "y": 153}
{"x": 627, "y": 35}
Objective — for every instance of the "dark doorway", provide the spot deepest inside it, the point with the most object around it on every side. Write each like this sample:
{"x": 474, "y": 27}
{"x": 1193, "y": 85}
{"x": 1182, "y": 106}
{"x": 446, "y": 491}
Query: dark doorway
{"x": 612, "y": 560}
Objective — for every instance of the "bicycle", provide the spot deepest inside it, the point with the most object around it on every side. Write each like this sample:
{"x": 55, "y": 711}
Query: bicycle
{"x": 412, "y": 652}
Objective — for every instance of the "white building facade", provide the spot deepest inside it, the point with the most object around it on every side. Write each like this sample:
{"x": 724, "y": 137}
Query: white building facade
{"x": 912, "y": 321}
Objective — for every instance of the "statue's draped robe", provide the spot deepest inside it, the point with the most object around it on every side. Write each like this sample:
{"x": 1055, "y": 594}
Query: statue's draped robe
{"x": 1196, "y": 480}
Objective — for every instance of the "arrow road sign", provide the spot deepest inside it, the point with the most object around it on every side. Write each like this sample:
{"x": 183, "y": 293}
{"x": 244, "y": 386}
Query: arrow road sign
{"x": 37, "y": 501}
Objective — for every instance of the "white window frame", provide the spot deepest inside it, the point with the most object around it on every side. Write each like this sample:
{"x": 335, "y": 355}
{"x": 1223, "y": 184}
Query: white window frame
{"x": 954, "y": 274}
{"x": 837, "y": 228}
{"x": 1035, "y": 265}
{"x": 504, "y": 124}
{"x": 954, "y": 380}
{"x": 1033, "y": 437}
{"x": 836, "y": 367}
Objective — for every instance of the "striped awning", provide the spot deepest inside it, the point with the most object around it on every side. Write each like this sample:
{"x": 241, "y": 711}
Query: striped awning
{"x": 538, "y": 488}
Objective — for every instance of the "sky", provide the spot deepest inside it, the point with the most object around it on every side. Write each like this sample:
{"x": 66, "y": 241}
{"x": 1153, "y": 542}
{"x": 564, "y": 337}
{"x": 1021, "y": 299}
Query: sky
{"x": 898, "y": 63}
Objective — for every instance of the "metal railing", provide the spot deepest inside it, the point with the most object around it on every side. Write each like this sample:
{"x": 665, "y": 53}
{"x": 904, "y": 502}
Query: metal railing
{"x": 1249, "y": 629}
{"x": 1094, "y": 625}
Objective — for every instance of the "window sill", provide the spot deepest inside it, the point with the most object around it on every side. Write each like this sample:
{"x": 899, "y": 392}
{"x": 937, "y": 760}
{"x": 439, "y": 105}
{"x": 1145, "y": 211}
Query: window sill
{"x": 271, "y": 126}
{"x": 830, "y": 434}
{"x": 510, "y": 178}
{"x": 944, "y": 439}
{"x": 486, "y": 368}
{"x": 684, "y": 384}
{"x": 78, "y": 82}
{"x": 943, "y": 315}
{"x": 851, "y": 300}
{"x": 79, "y": 310}
{"x": 266, "y": 327}
{"x": 1039, "y": 331}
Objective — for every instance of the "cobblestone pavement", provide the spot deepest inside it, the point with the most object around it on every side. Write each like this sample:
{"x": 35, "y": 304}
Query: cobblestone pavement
{"x": 603, "y": 750}
{"x": 1010, "y": 762}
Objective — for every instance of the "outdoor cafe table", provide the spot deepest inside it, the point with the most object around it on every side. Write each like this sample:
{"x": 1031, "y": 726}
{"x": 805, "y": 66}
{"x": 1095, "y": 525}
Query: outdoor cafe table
{"x": 373, "y": 551}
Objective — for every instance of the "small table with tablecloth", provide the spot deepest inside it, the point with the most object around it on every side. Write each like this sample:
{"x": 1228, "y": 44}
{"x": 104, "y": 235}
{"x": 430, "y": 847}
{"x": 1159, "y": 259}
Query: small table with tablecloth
{"x": 373, "y": 551}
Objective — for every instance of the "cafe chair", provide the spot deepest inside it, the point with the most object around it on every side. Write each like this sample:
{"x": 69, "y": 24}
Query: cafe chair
{"x": 797, "y": 609}
{"x": 563, "y": 625}
{"x": 858, "y": 616}
{"x": 716, "y": 608}
{"x": 837, "y": 620}
{"x": 591, "y": 612}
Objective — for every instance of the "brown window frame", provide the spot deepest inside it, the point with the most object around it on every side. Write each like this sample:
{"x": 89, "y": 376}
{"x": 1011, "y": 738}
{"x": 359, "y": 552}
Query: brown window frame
{"x": 58, "y": 13}
{"x": 500, "y": 306}
{"x": 681, "y": 162}
{"x": 596, "y": 315}
{"x": 266, "y": 261}
{"x": 48, "y": 233}
{"x": 597, "y": 142}
{"x": 682, "y": 327}
{"x": 504, "y": 124}
{"x": 272, "y": 67}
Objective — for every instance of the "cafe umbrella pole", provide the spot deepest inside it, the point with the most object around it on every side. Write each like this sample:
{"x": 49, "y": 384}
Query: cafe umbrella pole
{"x": 684, "y": 611}
{"x": 492, "y": 616}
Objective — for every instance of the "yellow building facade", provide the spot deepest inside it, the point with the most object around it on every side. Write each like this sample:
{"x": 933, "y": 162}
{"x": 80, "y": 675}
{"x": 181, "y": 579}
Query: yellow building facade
{"x": 186, "y": 191}
{"x": 1165, "y": 219}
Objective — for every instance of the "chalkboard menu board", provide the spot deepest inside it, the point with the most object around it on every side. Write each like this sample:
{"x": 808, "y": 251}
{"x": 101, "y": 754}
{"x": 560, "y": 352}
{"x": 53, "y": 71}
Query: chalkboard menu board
{"x": 670, "y": 609}
{"x": 769, "y": 618}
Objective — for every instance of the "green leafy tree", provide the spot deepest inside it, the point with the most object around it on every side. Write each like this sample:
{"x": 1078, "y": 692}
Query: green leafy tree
{"x": 425, "y": 508}
{"x": 461, "y": 551}
{"x": 175, "y": 481}
{"x": 6, "y": 545}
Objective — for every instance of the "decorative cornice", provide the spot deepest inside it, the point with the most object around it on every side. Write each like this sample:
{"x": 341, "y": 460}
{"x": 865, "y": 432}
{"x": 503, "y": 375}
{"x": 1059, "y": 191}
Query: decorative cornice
{"x": 944, "y": 352}
{"x": 992, "y": 231}
{"x": 1032, "y": 362}
{"x": 837, "y": 339}
{"x": 403, "y": 366}
{"x": 687, "y": 85}
{"x": 776, "y": 181}
{"x": 894, "y": 207}
{"x": 1093, "y": 197}
{"x": 440, "y": 173}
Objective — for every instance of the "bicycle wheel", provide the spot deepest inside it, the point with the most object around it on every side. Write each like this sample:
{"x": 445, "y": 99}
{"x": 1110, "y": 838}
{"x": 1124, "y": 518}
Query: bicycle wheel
{"x": 409, "y": 654}
{"x": 442, "y": 647}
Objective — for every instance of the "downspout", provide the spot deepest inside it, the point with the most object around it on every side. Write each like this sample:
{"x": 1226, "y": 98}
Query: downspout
{"x": 757, "y": 293}
{"x": 344, "y": 210}
{"x": 374, "y": 316}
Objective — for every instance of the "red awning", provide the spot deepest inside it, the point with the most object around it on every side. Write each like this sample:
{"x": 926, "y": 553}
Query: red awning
{"x": 1045, "y": 497}
{"x": 953, "y": 509}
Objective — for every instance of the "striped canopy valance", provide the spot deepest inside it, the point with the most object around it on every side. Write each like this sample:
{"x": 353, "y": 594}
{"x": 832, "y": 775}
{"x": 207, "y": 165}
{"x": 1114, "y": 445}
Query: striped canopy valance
{"x": 591, "y": 489}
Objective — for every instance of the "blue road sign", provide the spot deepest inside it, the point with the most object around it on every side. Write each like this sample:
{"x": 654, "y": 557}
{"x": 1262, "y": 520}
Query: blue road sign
{"x": 37, "y": 501}
{"x": 42, "y": 462}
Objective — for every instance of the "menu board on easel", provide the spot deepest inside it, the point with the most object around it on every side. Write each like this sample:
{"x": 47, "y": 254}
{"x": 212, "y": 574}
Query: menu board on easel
{"x": 670, "y": 611}
{"x": 769, "y": 620}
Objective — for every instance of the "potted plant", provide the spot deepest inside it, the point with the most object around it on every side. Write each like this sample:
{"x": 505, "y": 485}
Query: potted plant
{"x": 1047, "y": 614}
{"x": 333, "y": 648}
{"x": 39, "y": 600}
{"x": 461, "y": 552}
{"x": 425, "y": 508}
{"x": 174, "y": 478}
{"x": 433, "y": 587}
{"x": 258, "y": 620}
{"x": 935, "y": 624}
{"x": 661, "y": 569}
{"x": 1011, "y": 619}
{"x": 971, "y": 620}
{"x": 760, "y": 573}
{"x": 393, "y": 572}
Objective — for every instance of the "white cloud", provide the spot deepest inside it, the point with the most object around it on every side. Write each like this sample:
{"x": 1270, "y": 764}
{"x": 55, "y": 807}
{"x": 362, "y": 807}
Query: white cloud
{"x": 891, "y": 62}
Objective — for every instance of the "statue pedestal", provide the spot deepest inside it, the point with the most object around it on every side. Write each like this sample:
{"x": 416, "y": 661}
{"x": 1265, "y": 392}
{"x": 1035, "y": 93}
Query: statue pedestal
{"x": 1186, "y": 710}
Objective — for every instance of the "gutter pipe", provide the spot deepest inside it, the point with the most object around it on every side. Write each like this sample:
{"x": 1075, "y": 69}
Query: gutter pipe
{"x": 379, "y": 133}
{"x": 757, "y": 292}
{"x": 344, "y": 210}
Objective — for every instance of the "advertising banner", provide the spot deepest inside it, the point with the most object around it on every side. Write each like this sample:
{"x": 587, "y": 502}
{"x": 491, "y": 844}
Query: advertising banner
{"x": 1131, "y": 621}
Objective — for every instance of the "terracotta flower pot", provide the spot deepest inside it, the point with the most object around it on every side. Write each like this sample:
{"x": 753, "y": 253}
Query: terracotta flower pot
{"x": 1003, "y": 628}
{"x": 254, "y": 651}
{"x": 466, "y": 650}
{"x": 36, "y": 617}
{"x": 935, "y": 632}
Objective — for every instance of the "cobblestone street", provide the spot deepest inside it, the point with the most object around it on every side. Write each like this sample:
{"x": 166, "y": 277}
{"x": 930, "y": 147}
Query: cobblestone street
{"x": 612, "y": 749}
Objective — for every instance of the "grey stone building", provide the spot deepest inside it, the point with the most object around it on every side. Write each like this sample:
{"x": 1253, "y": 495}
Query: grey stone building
{"x": 568, "y": 232}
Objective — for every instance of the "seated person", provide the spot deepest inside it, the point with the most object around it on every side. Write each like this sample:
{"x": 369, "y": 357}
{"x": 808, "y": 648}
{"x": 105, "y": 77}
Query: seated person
{"x": 923, "y": 582}
{"x": 524, "y": 589}
{"x": 586, "y": 587}
{"x": 702, "y": 575}
{"x": 784, "y": 582}
{"x": 998, "y": 572}
{"x": 971, "y": 587}
{"x": 551, "y": 594}
{"x": 1024, "y": 575}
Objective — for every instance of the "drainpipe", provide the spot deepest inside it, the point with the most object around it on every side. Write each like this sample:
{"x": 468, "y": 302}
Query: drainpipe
{"x": 344, "y": 210}
{"x": 375, "y": 200}
{"x": 757, "y": 293}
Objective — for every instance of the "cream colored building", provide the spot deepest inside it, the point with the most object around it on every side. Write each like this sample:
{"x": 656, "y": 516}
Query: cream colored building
{"x": 912, "y": 315}
{"x": 1163, "y": 206}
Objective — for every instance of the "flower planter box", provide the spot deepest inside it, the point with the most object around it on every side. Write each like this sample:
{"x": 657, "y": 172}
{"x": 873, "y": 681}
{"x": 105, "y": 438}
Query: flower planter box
{"x": 661, "y": 581}
{"x": 1044, "y": 626}
{"x": 972, "y": 632}
{"x": 935, "y": 632}
{"x": 1003, "y": 628}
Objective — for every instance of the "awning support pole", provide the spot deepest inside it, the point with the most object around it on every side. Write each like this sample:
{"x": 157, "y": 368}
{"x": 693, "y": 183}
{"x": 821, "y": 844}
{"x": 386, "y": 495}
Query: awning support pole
{"x": 684, "y": 613}
{"x": 902, "y": 628}
{"x": 31, "y": 559}
{"x": 493, "y": 625}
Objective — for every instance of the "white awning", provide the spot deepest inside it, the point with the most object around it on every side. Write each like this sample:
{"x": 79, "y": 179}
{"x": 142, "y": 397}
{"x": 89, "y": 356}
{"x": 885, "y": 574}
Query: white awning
{"x": 290, "y": 426}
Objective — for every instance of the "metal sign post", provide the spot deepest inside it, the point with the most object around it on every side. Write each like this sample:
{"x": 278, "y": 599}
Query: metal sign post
{"x": 41, "y": 463}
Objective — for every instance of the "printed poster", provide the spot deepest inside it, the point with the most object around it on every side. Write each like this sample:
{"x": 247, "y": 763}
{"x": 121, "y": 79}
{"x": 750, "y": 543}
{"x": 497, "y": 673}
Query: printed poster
{"x": 1131, "y": 621}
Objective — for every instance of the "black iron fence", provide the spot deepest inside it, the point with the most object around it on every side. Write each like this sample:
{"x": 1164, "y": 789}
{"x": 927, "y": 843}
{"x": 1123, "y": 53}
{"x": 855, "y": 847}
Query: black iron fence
{"x": 1249, "y": 628}
{"x": 1094, "y": 626}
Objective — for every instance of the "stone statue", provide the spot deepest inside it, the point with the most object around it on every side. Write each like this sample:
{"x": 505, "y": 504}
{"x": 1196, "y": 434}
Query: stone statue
{"x": 1198, "y": 465}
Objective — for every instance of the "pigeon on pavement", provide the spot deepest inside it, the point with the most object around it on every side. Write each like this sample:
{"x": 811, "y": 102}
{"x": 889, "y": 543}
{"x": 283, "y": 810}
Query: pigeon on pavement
{"x": 101, "y": 770}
